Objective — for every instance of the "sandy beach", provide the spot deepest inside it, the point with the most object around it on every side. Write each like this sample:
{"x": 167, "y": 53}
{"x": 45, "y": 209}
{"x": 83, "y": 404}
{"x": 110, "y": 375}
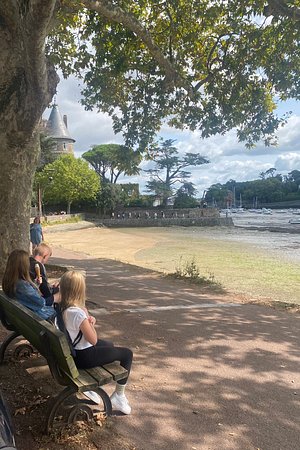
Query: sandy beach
{"x": 256, "y": 264}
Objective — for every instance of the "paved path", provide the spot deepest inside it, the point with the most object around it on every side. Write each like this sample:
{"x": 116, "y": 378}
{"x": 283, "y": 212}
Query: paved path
{"x": 208, "y": 373}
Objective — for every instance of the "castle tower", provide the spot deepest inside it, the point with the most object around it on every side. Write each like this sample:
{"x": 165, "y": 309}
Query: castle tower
{"x": 57, "y": 128}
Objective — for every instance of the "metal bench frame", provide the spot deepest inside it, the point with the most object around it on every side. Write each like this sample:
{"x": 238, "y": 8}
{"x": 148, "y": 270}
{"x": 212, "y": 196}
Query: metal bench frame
{"x": 52, "y": 344}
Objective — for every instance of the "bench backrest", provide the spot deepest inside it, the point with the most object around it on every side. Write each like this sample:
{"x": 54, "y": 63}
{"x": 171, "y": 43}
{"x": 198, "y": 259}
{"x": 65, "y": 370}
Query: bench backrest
{"x": 45, "y": 337}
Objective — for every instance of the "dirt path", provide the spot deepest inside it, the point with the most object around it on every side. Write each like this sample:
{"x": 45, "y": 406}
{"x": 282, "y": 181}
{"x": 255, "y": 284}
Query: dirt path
{"x": 210, "y": 372}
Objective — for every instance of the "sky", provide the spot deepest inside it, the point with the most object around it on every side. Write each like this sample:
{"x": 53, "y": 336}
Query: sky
{"x": 228, "y": 158}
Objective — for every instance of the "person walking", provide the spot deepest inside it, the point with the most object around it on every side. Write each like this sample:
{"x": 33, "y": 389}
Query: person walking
{"x": 36, "y": 232}
{"x": 90, "y": 351}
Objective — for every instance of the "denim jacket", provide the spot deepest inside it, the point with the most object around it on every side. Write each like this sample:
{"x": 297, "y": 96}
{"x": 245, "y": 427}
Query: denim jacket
{"x": 30, "y": 297}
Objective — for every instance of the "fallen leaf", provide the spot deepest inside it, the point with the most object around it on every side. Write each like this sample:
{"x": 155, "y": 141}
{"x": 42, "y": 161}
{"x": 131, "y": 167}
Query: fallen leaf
{"x": 20, "y": 411}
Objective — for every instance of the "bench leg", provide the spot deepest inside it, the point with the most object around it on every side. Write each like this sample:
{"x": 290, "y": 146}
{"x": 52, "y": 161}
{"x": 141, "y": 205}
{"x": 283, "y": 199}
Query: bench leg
{"x": 73, "y": 411}
{"x": 6, "y": 343}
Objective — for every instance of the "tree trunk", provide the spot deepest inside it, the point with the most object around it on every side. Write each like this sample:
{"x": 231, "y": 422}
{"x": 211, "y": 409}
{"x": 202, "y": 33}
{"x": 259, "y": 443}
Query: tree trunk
{"x": 69, "y": 208}
{"x": 27, "y": 85}
{"x": 15, "y": 186}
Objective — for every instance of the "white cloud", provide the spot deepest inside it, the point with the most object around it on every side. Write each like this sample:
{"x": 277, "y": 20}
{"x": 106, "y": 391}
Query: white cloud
{"x": 289, "y": 135}
{"x": 229, "y": 158}
{"x": 288, "y": 162}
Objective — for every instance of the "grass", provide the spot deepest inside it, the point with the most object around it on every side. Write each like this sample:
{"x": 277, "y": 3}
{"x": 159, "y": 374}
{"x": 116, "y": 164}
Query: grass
{"x": 190, "y": 271}
{"x": 62, "y": 221}
{"x": 240, "y": 267}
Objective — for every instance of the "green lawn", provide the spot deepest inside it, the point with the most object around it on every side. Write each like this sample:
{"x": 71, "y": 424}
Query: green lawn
{"x": 239, "y": 267}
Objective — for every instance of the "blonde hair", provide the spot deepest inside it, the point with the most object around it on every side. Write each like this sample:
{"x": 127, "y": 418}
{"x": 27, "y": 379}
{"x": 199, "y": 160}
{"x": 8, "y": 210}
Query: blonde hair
{"x": 72, "y": 289}
{"x": 42, "y": 249}
{"x": 17, "y": 268}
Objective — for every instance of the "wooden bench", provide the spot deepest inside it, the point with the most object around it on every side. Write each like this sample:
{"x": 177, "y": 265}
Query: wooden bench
{"x": 68, "y": 405}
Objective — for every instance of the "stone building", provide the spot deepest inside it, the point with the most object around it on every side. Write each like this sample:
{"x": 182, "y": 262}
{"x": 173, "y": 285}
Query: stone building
{"x": 56, "y": 127}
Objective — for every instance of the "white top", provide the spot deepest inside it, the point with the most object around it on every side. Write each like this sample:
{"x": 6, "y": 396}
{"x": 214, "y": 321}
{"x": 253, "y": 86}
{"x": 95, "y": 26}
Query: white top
{"x": 73, "y": 318}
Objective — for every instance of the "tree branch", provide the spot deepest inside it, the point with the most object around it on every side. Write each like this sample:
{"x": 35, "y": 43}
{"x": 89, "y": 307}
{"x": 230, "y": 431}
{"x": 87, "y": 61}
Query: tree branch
{"x": 118, "y": 15}
{"x": 282, "y": 8}
{"x": 179, "y": 168}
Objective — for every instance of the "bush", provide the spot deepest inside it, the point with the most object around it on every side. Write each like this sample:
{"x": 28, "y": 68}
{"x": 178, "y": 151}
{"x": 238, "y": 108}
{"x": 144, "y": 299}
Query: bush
{"x": 189, "y": 270}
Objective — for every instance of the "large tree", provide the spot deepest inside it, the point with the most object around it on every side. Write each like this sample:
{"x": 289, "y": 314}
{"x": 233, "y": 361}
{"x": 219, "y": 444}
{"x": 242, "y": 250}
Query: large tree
{"x": 111, "y": 160}
{"x": 169, "y": 169}
{"x": 185, "y": 196}
{"x": 68, "y": 179}
{"x": 210, "y": 65}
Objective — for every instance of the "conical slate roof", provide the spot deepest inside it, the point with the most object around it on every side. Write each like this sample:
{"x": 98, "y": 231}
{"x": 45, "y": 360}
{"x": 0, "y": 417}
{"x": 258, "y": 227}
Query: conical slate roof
{"x": 56, "y": 126}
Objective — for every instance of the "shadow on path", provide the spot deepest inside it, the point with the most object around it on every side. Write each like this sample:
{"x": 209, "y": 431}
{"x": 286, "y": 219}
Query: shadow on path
{"x": 207, "y": 374}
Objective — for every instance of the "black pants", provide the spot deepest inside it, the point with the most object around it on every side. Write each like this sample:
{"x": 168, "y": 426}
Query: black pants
{"x": 102, "y": 353}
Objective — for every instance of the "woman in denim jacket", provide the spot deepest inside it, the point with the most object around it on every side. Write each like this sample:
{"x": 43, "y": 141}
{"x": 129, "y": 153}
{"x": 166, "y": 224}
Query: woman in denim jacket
{"x": 16, "y": 283}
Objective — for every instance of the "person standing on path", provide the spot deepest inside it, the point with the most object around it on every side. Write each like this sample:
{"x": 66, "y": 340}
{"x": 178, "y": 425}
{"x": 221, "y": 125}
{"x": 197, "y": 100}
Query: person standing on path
{"x": 36, "y": 232}
{"x": 90, "y": 351}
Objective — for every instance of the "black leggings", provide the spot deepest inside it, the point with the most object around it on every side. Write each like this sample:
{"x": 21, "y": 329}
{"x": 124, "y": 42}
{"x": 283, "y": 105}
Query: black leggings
{"x": 102, "y": 353}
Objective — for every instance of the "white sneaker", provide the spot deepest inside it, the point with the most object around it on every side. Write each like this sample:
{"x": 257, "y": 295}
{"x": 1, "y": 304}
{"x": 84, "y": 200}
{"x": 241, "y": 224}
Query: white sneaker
{"x": 120, "y": 403}
{"x": 93, "y": 396}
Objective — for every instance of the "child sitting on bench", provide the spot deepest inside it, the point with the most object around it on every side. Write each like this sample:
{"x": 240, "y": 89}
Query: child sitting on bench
{"x": 90, "y": 351}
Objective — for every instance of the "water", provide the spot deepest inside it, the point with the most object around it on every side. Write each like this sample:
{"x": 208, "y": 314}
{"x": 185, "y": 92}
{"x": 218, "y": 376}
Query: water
{"x": 259, "y": 231}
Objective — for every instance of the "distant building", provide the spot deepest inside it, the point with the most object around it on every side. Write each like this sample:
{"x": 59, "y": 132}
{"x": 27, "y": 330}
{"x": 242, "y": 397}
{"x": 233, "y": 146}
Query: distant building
{"x": 56, "y": 127}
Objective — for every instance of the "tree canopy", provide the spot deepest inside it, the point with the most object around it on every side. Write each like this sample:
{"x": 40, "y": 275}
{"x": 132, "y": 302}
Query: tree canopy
{"x": 111, "y": 160}
{"x": 185, "y": 196}
{"x": 170, "y": 168}
{"x": 270, "y": 188}
{"x": 68, "y": 179}
{"x": 211, "y": 66}
{"x": 206, "y": 65}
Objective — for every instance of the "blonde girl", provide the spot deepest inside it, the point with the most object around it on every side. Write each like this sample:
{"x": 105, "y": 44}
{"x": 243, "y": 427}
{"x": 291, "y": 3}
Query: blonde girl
{"x": 91, "y": 351}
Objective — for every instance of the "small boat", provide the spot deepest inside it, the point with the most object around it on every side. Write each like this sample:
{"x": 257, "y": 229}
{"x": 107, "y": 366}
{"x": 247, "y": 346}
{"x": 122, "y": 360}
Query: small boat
{"x": 257, "y": 211}
{"x": 237, "y": 210}
{"x": 267, "y": 211}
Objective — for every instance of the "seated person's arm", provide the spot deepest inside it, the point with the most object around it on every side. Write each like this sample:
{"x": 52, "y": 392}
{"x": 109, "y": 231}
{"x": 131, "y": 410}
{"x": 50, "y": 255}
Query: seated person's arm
{"x": 89, "y": 331}
{"x": 26, "y": 293}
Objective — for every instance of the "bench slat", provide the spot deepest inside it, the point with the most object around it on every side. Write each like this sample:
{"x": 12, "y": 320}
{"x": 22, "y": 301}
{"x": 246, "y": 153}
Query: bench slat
{"x": 98, "y": 376}
{"x": 99, "y": 373}
{"x": 86, "y": 381}
{"x": 118, "y": 372}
